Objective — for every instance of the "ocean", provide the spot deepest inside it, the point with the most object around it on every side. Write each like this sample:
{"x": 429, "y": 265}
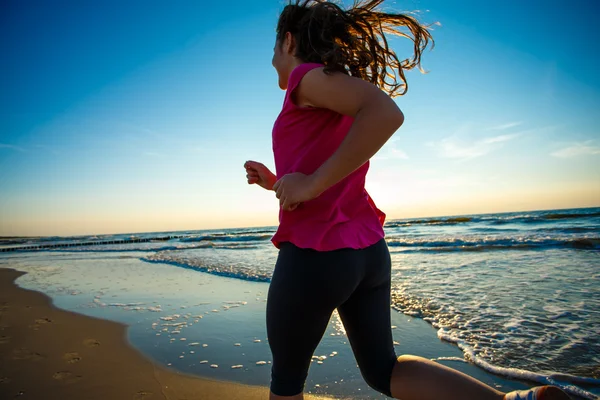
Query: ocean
{"x": 518, "y": 293}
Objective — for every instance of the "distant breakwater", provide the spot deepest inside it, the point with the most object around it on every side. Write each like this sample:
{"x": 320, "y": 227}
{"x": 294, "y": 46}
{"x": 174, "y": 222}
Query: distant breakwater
{"x": 90, "y": 243}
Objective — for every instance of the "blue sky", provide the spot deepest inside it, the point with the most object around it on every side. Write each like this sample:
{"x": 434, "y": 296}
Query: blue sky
{"x": 138, "y": 116}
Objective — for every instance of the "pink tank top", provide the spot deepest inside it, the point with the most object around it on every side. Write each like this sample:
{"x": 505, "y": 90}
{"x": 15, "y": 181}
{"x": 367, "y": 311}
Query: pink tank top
{"x": 344, "y": 216}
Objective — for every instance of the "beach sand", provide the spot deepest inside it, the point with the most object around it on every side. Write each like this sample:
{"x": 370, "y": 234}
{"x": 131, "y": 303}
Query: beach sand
{"x": 48, "y": 353}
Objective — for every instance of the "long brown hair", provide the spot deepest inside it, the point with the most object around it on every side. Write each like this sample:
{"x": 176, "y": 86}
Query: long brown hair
{"x": 353, "y": 41}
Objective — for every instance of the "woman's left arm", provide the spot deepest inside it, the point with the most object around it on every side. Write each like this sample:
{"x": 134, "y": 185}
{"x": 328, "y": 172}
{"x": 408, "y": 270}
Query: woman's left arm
{"x": 376, "y": 118}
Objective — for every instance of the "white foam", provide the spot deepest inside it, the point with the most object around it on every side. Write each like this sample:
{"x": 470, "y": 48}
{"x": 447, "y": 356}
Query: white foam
{"x": 565, "y": 382}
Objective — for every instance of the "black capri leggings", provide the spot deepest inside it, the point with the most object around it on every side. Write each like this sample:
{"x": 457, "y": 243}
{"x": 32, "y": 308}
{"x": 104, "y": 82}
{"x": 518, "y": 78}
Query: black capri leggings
{"x": 306, "y": 288}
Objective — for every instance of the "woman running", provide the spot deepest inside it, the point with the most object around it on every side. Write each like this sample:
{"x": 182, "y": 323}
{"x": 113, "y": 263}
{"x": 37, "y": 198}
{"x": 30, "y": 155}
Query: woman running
{"x": 339, "y": 75}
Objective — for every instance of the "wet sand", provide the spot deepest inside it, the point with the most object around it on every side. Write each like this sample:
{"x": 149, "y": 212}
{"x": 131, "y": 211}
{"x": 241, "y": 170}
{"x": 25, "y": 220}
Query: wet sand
{"x": 48, "y": 353}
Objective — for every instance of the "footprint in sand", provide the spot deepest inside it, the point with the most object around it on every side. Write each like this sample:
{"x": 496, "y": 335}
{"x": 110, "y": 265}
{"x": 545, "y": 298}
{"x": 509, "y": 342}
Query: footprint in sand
{"x": 26, "y": 354}
{"x": 39, "y": 322}
{"x": 66, "y": 376}
{"x": 91, "y": 343}
{"x": 142, "y": 395}
{"x": 71, "y": 358}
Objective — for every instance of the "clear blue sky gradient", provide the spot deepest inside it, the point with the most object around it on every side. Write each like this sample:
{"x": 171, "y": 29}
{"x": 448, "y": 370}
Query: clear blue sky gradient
{"x": 137, "y": 116}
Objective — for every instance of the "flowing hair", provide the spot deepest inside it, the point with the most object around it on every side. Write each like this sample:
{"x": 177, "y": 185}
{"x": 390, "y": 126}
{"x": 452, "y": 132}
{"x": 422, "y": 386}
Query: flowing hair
{"x": 353, "y": 41}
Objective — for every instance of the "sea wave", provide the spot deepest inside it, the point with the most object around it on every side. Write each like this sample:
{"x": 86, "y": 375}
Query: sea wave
{"x": 253, "y": 231}
{"x": 429, "y": 221}
{"x": 540, "y": 217}
{"x": 493, "y": 243}
{"x": 568, "y": 229}
{"x": 497, "y": 219}
{"x": 228, "y": 237}
{"x": 209, "y": 266}
{"x": 570, "y": 215}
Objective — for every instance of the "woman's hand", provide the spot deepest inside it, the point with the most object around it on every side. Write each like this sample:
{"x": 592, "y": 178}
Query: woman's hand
{"x": 293, "y": 189}
{"x": 257, "y": 173}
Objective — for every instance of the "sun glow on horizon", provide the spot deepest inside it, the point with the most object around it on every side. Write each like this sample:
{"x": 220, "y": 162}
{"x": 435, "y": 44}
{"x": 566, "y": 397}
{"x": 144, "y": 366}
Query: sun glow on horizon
{"x": 145, "y": 127}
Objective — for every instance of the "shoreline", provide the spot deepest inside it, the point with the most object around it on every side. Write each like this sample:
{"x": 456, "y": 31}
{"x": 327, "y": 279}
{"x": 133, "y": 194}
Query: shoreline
{"x": 50, "y": 353}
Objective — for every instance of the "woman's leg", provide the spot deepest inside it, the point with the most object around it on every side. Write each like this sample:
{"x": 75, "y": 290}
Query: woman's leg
{"x": 366, "y": 317}
{"x": 417, "y": 378}
{"x": 305, "y": 289}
